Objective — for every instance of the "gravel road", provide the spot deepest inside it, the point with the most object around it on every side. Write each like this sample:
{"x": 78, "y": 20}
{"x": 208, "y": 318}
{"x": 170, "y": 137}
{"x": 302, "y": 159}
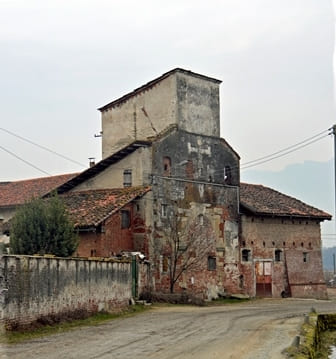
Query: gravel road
{"x": 259, "y": 329}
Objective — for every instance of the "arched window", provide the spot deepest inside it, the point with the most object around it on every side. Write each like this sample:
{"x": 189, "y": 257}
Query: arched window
{"x": 227, "y": 175}
{"x": 166, "y": 166}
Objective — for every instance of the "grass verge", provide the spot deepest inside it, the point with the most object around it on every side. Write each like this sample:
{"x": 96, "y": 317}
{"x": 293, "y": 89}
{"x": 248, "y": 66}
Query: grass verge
{"x": 15, "y": 337}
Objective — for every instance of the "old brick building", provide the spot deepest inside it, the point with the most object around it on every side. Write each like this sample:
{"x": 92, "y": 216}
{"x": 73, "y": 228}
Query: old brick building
{"x": 169, "y": 186}
{"x": 280, "y": 244}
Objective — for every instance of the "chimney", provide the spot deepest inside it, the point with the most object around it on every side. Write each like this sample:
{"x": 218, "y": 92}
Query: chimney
{"x": 91, "y": 161}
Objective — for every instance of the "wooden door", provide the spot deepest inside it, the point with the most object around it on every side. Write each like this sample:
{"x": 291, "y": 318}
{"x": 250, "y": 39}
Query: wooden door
{"x": 263, "y": 272}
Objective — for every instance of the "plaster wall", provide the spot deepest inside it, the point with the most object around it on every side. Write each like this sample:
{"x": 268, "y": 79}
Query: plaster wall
{"x": 198, "y": 105}
{"x": 139, "y": 162}
{"x": 139, "y": 117}
{"x": 37, "y": 288}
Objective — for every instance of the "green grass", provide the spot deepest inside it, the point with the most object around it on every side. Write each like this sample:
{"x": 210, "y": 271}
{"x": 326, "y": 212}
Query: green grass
{"x": 13, "y": 337}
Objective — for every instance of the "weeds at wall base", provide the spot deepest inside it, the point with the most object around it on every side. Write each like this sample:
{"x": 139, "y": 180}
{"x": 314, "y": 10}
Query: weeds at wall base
{"x": 17, "y": 336}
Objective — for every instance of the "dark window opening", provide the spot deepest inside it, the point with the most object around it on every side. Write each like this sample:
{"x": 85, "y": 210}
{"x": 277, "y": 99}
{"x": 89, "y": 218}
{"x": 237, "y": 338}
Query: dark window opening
{"x": 278, "y": 255}
{"x": 125, "y": 219}
{"x": 211, "y": 263}
{"x": 305, "y": 257}
{"x": 246, "y": 255}
{"x": 241, "y": 281}
{"x": 166, "y": 166}
{"x": 264, "y": 244}
{"x": 93, "y": 253}
{"x": 227, "y": 175}
{"x": 127, "y": 178}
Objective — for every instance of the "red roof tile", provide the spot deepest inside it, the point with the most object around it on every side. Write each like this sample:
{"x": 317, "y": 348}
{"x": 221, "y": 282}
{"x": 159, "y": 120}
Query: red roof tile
{"x": 266, "y": 201}
{"x": 19, "y": 192}
{"x": 90, "y": 208}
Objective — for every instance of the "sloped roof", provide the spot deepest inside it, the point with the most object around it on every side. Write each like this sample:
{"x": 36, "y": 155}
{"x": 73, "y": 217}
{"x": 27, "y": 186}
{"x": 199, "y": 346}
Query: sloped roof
{"x": 101, "y": 166}
{"x": 92, "y": 207}
{"x": 261, "y": 200}
{"x": 152, "y": 83}
{"x": 18, "y": 192}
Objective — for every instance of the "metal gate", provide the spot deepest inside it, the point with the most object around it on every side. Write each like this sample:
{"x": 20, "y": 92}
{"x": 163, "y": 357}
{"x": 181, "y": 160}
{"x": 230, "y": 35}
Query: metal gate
{"x": 134, "y": 277}
{"x": 263, "y": 272}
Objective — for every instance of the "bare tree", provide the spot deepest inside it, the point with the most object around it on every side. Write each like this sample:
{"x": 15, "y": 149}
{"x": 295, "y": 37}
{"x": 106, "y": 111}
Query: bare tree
{"x": 186, "y": 247}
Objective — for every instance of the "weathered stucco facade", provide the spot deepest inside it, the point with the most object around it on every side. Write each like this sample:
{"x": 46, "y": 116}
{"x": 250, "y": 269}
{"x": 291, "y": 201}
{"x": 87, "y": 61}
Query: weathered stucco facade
{"x": 189, "y": 100}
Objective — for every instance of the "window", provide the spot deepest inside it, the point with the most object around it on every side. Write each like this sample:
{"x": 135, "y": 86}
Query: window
{"x": 165, "y": 264}
{"x": 127, "y": 178}
{"x": 211, "y": 263}
{"x": 227, "y": 175}
{"x": 125, "y": 219}
{"x": 278, "y": 255}
{"x": 246, "y": 255}
{"x": 305, "y": 257}
{"x": 163, "y": 210}
{"x": 166, "y": 166}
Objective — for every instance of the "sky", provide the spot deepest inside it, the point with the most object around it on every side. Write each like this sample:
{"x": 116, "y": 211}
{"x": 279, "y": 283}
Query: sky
{"x": 61, "y": 60}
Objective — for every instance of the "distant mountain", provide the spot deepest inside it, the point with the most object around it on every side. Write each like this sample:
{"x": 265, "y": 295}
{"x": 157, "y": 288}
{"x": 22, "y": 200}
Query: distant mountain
{"x": 327, "y": 257}
{"x": 311, "y": 182}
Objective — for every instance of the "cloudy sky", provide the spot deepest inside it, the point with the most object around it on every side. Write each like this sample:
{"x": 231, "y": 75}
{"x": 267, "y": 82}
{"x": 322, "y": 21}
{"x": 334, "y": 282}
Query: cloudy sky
{"x": 62, "y": 59}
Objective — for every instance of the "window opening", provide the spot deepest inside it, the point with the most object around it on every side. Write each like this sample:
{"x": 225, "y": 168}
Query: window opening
{"x": 278, "y": 255}
{"x": 227, "y": 175}
{"x": 246, "y": 255}
{"x": 305, "y": 257}
{"x": 125, "y": 219}
{"x": 127, "y": 178}
{"x": 211, "y": 263}
{"x": 163, "y": 210}
{"x": 166, "y": 166}
{"x": 165, "y": 264}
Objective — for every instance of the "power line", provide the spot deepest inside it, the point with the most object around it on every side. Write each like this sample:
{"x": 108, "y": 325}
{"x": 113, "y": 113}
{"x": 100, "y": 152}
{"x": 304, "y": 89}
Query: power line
{"x": 42, "y": 147}
{"x": 23, "y": 160}
{"x": 285, "y": 149}
{"x": 244, "y": 166}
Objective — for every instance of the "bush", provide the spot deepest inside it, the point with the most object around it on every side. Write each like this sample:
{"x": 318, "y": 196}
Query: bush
{"x": 43, "y": 227}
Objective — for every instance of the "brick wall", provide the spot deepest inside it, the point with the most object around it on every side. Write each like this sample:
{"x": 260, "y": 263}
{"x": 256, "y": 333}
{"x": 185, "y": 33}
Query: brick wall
{"x": 108, "y": 240}
{"x": 290, "y": 272}
{"x": 32, "y": 288}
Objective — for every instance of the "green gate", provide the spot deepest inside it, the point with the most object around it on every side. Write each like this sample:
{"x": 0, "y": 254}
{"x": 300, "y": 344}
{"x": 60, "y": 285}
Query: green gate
{"x": 134, "y": 277}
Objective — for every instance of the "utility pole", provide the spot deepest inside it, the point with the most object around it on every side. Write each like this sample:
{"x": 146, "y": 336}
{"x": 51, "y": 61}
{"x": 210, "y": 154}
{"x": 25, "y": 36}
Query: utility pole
{"x": 334, "y": 133}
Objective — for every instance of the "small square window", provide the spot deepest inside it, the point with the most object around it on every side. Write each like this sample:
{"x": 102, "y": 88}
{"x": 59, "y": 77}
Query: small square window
{"x": 246, "y": 255}
{"x": 125, "y": 219}
{"x": 211, "y": 263}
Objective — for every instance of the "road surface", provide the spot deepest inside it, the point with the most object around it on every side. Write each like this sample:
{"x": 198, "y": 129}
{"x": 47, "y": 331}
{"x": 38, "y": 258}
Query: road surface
{"x": 259, "y": 329}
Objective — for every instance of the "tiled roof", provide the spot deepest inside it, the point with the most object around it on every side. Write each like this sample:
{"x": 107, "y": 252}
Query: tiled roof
{"x": 90, "y": 208}
{"x": 18, "y": 192}
{"x": 261, "y": 200}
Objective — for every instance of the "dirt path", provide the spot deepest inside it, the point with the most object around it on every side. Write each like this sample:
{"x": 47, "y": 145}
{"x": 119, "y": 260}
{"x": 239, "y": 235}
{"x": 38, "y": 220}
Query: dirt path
{"x": 255, "y": 330}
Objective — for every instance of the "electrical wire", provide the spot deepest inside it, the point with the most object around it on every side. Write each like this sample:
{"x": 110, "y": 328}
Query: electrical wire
{"x": 244, "y": 166}
{"x": 285, "y": 149}
{"x": 23, "y": 160}
{"x": 42, "y": 147}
